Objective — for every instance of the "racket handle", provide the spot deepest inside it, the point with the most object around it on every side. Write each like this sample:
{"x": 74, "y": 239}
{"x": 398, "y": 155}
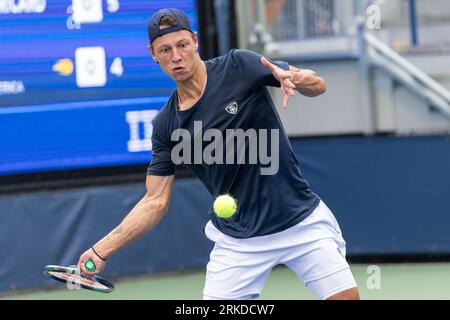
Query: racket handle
{"x": 90, "y": 265}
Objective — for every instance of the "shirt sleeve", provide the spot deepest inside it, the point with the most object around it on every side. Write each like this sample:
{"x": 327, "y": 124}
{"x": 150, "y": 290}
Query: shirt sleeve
{"x": 161, "y": 163}
{"x": 252, "y": 72}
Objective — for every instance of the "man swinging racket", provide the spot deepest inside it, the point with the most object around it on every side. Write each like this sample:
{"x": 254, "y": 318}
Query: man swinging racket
{"x": 279, "y": 220}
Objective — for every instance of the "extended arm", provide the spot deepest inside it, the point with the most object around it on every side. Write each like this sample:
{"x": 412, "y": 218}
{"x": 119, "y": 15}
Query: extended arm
{"x": 144, "y": 216}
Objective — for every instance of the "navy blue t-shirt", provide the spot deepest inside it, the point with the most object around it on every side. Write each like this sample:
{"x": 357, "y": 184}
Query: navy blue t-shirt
{"x": 235, "y": 98}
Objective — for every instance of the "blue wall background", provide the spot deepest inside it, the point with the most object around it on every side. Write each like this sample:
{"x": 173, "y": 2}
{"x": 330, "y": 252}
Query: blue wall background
{"x": 390, "y": 196}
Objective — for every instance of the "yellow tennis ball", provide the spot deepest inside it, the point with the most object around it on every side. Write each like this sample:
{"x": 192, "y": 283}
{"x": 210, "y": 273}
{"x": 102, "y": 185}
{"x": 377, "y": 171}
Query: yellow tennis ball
{"x": 225, "y": 206}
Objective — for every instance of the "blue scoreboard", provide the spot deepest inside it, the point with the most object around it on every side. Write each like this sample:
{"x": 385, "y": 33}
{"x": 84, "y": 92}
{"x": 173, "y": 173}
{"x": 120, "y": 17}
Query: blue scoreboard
{"x": 78, "y": 87}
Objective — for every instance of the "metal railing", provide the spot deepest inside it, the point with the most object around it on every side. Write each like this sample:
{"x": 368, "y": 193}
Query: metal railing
{"x": 375, "y": 52}
{"x": 296, "y": 20}
{"x": 305, "y": 19}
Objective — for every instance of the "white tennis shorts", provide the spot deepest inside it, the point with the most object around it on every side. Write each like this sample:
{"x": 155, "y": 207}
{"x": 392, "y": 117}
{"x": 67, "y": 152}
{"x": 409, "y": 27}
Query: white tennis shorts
{"x": 314, "y": 249}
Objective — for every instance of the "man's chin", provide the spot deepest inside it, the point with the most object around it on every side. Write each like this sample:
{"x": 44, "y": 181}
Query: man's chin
{"x": 180, "y": 76}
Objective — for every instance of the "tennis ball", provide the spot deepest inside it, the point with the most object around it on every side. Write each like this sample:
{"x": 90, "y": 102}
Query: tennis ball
{"x": 225, "y": 206}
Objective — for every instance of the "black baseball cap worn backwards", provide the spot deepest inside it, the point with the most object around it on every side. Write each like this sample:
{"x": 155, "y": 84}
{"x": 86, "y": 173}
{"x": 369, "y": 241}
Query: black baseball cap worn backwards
{"x": 179, "y": 16}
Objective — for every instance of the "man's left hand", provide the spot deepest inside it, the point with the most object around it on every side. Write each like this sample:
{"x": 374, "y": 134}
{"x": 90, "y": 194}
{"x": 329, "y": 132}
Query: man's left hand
{"x": 285, "y": 78}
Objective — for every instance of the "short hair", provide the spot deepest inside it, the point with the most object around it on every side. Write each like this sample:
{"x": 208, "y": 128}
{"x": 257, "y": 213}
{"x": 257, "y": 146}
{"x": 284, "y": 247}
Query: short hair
{"x": 167, "y": 21}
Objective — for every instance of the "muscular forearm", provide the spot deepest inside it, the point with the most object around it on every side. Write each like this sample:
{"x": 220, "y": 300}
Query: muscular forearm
{"x": 145, "y": 215}
{"x": 307, "y": 82}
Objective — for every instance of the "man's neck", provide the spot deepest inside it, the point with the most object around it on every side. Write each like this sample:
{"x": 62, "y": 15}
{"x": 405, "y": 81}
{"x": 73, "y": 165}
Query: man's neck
{"x": 191, "y": 90}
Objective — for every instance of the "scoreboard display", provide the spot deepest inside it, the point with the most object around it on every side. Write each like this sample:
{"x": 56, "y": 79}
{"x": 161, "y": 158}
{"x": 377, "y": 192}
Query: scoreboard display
{"x": 78, "y": 87}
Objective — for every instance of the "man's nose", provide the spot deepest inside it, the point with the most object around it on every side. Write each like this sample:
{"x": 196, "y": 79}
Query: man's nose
{"x": 176, "y": 56}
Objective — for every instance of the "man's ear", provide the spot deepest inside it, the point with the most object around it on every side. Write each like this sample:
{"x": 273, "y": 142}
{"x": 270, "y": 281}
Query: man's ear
{"x": 152, "y": 52}
{"x": 194, "y": 37}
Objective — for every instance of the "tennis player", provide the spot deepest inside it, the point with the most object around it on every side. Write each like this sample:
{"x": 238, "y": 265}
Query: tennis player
{"x": 279, "y": 219}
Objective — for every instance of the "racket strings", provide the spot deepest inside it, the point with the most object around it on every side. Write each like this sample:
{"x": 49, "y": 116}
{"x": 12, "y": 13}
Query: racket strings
{"x": 74, "y": 278}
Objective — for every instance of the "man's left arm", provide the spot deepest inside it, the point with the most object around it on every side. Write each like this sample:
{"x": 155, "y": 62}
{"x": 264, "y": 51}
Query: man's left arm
{"x": 307, "y": 82}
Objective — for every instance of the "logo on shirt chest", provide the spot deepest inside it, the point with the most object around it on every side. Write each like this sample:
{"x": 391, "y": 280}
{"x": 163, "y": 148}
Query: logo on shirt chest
{"x": 232, "y": 108}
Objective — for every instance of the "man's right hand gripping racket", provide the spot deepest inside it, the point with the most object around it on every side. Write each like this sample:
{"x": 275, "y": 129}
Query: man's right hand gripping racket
{"x": 75, "y": 280}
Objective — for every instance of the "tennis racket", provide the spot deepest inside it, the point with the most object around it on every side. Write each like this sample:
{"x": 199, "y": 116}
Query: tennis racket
{"x": 75, "y": 280}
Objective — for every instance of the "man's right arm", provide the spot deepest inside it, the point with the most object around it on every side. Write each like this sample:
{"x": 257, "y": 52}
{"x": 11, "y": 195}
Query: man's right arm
{"x": 144, "y": 216}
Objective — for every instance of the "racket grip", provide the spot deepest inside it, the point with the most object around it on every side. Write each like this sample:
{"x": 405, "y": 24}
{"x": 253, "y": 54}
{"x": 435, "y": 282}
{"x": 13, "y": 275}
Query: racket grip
{"x": 90, "y": 265}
